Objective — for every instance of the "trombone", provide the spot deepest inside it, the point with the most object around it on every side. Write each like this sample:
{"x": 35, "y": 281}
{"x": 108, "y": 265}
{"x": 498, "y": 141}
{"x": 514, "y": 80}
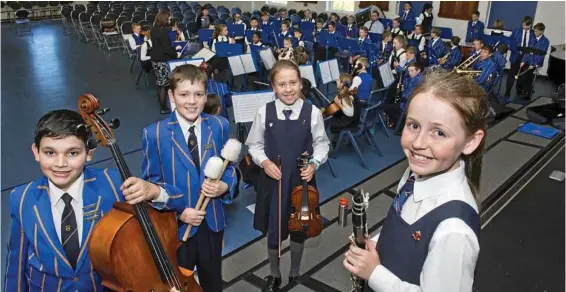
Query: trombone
{"x": 468, "y": 62}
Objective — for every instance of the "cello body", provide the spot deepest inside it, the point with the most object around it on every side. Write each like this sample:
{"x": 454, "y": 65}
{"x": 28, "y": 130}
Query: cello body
{"x": 304, "y": 205}
{"x": 122, "y": 258}
{"x": 132, "y": 247}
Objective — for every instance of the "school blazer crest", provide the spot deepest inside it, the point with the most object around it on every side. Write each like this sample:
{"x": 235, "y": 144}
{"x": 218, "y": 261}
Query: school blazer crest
{"x": 168, "y": 163}
{"x": 36, "y": 260}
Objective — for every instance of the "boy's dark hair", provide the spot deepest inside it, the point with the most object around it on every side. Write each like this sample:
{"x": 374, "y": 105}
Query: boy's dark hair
{"x": 455, "y": 40}
{"x": 489, "y": 49}
{"x": 212, "y": 104}
{"x": 59, "y": 124}
{"x": 527, "y": 20}
{"x": 476, "y": 13}
{"x": 502, "y": 48}
{"x": 415, "y": 65}
{"x": 540, "y": 26}
{"x": 298, "y": 30}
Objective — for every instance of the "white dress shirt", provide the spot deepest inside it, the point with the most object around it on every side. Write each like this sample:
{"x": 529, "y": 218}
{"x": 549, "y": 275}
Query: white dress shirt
{"x": 397, "y": 31}
{"x": 422, "y": 17}
{"x": 402, "y": 58}
{"x": 58, "y": 205}
{"x": 256, "y": 139}
{"x": 528, "y": 33}
{"x": 143, "y": 54}
{"x": 346, "y": 109}
{"x": 454, "y": 247}
{"x": 377, "y": 26}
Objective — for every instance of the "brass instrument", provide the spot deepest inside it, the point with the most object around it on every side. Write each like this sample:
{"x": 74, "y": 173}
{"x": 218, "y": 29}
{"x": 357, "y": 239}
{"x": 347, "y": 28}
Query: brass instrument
{"x": 471, "y": 73}
{"x": 467, "y": 63}
{"x": 443, "y": 59}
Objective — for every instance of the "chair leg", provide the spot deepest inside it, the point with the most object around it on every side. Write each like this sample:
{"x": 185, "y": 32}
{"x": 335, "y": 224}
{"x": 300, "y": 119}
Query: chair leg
{"x": 338, "y": 143}
{"x": 357, "y": 149}
{"x": 382, "y": 123}
{"x": 331, "y": 168}
{"x": 373, "y": 143}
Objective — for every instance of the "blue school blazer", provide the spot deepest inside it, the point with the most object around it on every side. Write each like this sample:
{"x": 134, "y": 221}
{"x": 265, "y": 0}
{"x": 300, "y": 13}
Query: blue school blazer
{"x": 537, "y": 60}
{"x": 167, "y": 162}
{"x": 36, "y": 259}
{"x": 474, "y": 31}
{"x": 518, "y": 36}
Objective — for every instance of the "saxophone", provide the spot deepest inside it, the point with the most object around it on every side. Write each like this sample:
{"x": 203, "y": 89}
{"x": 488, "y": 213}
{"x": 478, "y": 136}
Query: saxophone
{"x": 360, "y": 203}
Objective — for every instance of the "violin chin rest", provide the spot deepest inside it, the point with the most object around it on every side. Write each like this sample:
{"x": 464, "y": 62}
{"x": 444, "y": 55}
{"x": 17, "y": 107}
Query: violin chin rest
{"x": 186, "y": 272}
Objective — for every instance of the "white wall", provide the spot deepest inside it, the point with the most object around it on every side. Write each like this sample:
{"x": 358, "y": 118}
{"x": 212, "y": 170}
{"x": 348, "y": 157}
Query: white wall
{"x": 552, "y": 15}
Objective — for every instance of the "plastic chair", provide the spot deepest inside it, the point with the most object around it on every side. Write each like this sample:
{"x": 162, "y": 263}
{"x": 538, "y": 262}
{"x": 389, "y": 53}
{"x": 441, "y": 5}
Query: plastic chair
{"x": 367, "y": 121}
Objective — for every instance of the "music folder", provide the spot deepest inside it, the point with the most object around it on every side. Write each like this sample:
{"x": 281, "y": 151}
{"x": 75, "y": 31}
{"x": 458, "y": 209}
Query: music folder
{"x": 532, "y": 51}
{"x": 204, "y": 53}
{"x": 268, "y": 58}
{"x": 236, "y": 30}
{"x": 247, "y": 104}
{"x": 351, "y": 45}
{"x": 227, "y": 50}
{"x": 329, "y": 71}
{"x": 176, "y": 63}
{"x": 307, "y": 72}
{"x": 242, "y": 64}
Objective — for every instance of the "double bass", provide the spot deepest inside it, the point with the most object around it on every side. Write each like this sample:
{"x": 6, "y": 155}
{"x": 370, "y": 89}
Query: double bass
{"x": 133, "y": 247}
{"x": 305, "y": 216}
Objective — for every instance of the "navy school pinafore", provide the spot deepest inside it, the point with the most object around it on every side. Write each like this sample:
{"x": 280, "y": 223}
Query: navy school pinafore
{"x": 287, "y": 139}
{"x": 403, "y": 247}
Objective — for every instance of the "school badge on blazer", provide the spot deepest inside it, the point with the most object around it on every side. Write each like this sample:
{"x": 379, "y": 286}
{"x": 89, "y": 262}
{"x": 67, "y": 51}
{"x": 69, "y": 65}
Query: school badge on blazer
{"x": 417, "y": 235}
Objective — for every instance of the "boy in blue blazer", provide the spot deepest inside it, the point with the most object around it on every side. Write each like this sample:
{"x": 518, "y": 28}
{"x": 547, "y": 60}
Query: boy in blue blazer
{"x": 524, "y": 37}
{"x": 53, "y": 216}
{"x": 475, "y": 27}
{"x": 530, "y": 62}
{"x": 175, "y": 152}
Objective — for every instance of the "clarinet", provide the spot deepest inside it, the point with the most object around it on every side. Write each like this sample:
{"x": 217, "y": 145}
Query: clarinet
{"x": 360, "y": 203}
{"x": 400, "y": 88}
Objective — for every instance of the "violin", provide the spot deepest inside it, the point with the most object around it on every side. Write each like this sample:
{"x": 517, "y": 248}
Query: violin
{"x": 305, "y": 216}
{"x": 133, "y": 247}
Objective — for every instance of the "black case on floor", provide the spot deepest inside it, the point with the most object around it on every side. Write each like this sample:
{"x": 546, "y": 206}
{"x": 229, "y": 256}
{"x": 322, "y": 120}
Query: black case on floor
{"x": 552, "y": 114}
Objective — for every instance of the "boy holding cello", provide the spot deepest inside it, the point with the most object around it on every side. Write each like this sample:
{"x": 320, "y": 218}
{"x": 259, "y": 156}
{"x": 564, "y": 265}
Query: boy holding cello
{"x": 281, "y": 132}
{"x": 53, "y": 216}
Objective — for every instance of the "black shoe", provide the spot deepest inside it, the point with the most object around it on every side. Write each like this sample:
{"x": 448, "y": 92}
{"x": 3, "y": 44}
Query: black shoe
{"x": 271, "y": 284}
{"x": 294, "y": 279}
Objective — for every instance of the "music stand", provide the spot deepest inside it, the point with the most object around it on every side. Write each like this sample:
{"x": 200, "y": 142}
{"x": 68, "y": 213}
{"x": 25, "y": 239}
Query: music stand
{"x": 375, "y": 38}
{"x": 236, "y": 30}
{"x": 532, "y": 51}
{"x": 205, "y": 35}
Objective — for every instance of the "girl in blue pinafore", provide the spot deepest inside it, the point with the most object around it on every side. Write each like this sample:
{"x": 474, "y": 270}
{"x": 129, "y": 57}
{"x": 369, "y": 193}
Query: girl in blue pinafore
{"x": 285, "y": 128}
{"x": 430, "y": 237}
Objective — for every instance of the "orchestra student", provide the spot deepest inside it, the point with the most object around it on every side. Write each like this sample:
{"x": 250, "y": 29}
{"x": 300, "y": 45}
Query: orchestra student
{"x": 430, "y": 237}
{"x": 175, "y": 152}
{"x": 276, "y": 123}
{"x": 53, "y": 216}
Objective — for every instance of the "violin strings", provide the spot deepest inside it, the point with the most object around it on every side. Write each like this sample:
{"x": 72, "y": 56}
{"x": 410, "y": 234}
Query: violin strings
{"x": 146, "y": 224}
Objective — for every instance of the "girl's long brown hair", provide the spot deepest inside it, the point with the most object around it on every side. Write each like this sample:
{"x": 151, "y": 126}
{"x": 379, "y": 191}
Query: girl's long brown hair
{"x": 345, "y": 93}
{"x": 218, "y": 30}
{"x": 470, "y": 101}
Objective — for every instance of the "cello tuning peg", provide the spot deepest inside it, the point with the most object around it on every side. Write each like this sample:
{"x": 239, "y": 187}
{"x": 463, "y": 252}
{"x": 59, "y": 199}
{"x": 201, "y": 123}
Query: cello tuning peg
{"x": 91, "y": 144}
{"x": 102, "y": 111}
{"x": 114, "y": 123}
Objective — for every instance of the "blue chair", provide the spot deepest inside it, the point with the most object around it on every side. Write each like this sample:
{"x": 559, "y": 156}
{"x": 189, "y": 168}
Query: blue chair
{"x": 377, "y": 98}
{"x": 368, "y": 120}
{"x": 236, "y": 10}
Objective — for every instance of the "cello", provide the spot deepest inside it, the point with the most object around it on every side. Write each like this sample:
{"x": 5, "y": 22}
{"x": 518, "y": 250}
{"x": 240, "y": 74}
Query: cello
{"x": 305, "y": 215}
{"x": 133, "y": 247}
{"x": 344, "y": 92}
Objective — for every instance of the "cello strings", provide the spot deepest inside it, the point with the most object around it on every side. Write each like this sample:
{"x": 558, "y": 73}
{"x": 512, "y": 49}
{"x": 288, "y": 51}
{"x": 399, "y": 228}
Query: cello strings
{"x": 145, "y": 223}
{"x": 150, "y": 231}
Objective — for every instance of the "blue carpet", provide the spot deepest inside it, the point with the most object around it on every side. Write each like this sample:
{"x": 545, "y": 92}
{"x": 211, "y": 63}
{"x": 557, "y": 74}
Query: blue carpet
{"x": 349, "y": 172}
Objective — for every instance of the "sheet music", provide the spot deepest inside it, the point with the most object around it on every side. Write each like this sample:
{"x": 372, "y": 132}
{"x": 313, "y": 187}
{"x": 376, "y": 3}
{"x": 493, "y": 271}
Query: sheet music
{"x": 386, "y": 75}
{"x": 175, "y": 64}
{"x": 236, "y": 66}
{"x": 247, "y": 105}
{"x": 325, "y": 73}
{"x": 205, "y": 53}
{"x": 308, "y": 73}
{"x": 267, "y": 58}
{"x": 248, "y": 63}
{"x": 334, "y": 70}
